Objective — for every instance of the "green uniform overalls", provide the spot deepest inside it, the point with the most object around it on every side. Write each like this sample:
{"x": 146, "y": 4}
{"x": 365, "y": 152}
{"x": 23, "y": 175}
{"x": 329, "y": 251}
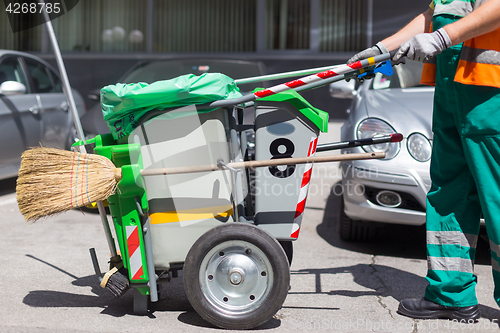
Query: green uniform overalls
{"x": 465, "y": 173}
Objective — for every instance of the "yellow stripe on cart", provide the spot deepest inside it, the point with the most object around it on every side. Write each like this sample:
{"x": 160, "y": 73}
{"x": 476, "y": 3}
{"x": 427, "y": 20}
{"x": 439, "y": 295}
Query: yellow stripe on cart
{"x": 192, "y": 214}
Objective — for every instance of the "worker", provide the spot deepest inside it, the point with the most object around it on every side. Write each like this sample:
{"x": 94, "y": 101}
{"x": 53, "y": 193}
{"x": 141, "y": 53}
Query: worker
{"x": 459, "y": 43}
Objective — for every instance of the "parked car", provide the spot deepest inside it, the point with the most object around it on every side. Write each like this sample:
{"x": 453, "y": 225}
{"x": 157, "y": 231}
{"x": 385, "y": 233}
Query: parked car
{"x": 155, "y": 70}
{"x": 392, "y": 190}
{"x": 33, "y": 109}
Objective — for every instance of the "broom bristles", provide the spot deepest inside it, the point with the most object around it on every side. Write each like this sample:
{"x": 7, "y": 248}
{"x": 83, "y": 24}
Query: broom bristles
{"x": 52, "y": 181}
{"x": 115, "y": 282}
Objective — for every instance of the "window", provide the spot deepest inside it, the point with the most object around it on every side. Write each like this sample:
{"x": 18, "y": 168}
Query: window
{"x": 410, "y": 73}
{"x": 55, "y": 81}
{"x": 288, "y": 24}
{"x": 405, "y": 76}
{"x": 11, "y": 70}
{"x": 381, "y": 81}
{"x": 343, "y": 25}
{"x": 202, "y": 26}
{"x": 42, "y": 82}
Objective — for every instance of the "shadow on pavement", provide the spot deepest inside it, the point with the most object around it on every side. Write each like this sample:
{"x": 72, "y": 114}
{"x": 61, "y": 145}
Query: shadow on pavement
{"x": 8, "y": 186}
{"x": 193, "y": 319}
{"x": 116, "y": 307}
{"x": 382, "y": 280}
{"x": 102, "y": 298}
{"x": 172, "y": 298}
{"x": 392, "y": 240}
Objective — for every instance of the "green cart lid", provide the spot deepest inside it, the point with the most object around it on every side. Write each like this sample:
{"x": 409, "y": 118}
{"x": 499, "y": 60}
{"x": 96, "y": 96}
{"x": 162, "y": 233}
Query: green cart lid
{"x": 317, "y": 116}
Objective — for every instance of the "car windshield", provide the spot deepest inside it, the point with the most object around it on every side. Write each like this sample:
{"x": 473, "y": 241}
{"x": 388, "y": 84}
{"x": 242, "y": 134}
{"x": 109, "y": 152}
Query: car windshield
{"x": 150, "y": 72}
{"x": 405, "y": 76}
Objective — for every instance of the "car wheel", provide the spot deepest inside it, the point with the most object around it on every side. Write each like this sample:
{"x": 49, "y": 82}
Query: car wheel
{"x": 236, "y": 276}
{"x": 353, "y": 230}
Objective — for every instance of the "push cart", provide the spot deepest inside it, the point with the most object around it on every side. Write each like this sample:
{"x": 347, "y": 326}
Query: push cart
{"x": 229, "y": 230}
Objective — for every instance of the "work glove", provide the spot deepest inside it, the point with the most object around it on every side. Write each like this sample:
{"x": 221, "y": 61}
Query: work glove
{"x": 373, "y": 51}
{"x": 423, "y": 47}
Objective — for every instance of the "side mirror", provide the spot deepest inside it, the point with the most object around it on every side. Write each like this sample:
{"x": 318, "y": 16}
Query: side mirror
{"x": 11, "y": 88}
{"x": 343, "y": 89}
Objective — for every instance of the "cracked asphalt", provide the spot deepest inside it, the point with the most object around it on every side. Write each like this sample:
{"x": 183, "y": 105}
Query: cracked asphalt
{"x": 336, "y": 286}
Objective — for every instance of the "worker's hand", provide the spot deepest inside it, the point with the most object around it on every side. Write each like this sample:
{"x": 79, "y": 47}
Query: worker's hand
{"x": 424, "y": 46}
{"x": 373, "y": 51}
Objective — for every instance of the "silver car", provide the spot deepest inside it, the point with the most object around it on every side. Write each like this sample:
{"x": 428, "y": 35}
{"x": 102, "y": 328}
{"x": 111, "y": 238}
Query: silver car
{"x": 392, "y": 190}
{"x": 33, "y": 109}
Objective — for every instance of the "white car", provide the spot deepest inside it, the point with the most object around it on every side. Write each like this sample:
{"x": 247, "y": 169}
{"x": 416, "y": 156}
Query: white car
{"x": 392, "y": 190}
{"x": 34, "y": 110}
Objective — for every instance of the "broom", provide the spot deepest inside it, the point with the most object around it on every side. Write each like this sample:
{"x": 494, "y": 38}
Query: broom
{"x": 28, "y": 190}
{"x": 52, "y": 181}
{"x": 115, "y": 282}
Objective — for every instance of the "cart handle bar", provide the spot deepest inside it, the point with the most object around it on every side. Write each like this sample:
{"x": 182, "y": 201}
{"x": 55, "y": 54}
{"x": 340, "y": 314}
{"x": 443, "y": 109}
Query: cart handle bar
{"x": 396, "y": 137}
{"x": 257, "y": 164}
{"x": 339, "y": 70}
{"x": 297, "y": 73}
{"x": 239, "y": 101}
{"x": 305, "y": 83}
{"x": 284, "y": 75}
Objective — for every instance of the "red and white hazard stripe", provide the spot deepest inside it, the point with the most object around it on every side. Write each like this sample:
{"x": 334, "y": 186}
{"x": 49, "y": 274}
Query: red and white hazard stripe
{"x": 311, "y": 79}
{"x": 134, "y": 252}
{"x": 306, "y": 178}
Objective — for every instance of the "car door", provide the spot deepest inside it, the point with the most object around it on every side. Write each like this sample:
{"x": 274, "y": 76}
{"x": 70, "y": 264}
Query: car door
{"x": 20, "y": 121}
{"x": 54, "y": 105}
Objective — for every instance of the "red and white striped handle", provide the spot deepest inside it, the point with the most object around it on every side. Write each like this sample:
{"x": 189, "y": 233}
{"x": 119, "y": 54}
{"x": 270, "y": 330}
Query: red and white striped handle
{"x": 334, "y": 71}
{"x": 339, "y": 70}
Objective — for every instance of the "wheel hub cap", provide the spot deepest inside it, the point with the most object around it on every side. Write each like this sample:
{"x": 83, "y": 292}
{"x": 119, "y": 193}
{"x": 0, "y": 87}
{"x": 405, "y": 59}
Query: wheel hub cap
{"x": 236, "y": 276}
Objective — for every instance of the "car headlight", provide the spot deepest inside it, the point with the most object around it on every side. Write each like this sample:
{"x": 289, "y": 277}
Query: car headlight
{"x": 373, "y": 127}
{"x": 419, "y": 147}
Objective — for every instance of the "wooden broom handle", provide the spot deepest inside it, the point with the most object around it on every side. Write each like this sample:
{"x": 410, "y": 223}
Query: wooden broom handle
{"x": 257, "y": 164}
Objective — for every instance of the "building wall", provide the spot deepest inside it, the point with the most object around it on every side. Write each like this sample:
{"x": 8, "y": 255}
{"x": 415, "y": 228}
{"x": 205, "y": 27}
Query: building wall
{"x": 284, "y": 34}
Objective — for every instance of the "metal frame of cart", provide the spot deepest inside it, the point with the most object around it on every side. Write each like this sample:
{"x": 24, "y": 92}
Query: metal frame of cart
{"x": 236, "y": 275}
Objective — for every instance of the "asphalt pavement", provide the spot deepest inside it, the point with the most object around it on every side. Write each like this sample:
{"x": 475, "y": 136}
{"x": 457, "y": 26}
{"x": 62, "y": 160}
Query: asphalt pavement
{"x": 48, "y": 282}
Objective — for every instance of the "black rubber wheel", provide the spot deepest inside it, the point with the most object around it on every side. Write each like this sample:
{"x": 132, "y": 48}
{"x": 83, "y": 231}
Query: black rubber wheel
{"x": 288, "y": 248}
{"x": 236, "y": 276}
{"x": 353, "y": 230}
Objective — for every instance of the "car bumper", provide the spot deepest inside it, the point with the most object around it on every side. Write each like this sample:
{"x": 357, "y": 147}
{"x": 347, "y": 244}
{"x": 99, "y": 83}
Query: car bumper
{"x": 361, "y": 183}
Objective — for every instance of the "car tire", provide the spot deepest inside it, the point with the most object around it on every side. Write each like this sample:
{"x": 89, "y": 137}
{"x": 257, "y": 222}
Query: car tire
{"x": 236, "y": 276}
{"x": 353, "y": 230}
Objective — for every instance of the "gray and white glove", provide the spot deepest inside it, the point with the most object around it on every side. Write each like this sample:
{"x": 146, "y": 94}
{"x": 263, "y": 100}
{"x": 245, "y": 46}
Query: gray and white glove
{"x": 373, "y": 51}
{"x": 424, "y": 46}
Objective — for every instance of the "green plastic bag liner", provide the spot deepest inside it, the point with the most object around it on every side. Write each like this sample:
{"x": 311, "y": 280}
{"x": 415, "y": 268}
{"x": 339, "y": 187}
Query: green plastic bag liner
{"x": 124, "y": 104}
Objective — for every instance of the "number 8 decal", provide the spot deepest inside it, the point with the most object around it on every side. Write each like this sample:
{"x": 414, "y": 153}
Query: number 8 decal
{"x": 289, "y": 150}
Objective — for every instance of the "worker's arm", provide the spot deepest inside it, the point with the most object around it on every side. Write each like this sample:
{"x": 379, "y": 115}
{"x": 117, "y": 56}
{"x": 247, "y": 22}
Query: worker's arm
{"x": 482, "y": 20}
{"x": 423, "y": 47}
{"x": 418, "y": 25}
